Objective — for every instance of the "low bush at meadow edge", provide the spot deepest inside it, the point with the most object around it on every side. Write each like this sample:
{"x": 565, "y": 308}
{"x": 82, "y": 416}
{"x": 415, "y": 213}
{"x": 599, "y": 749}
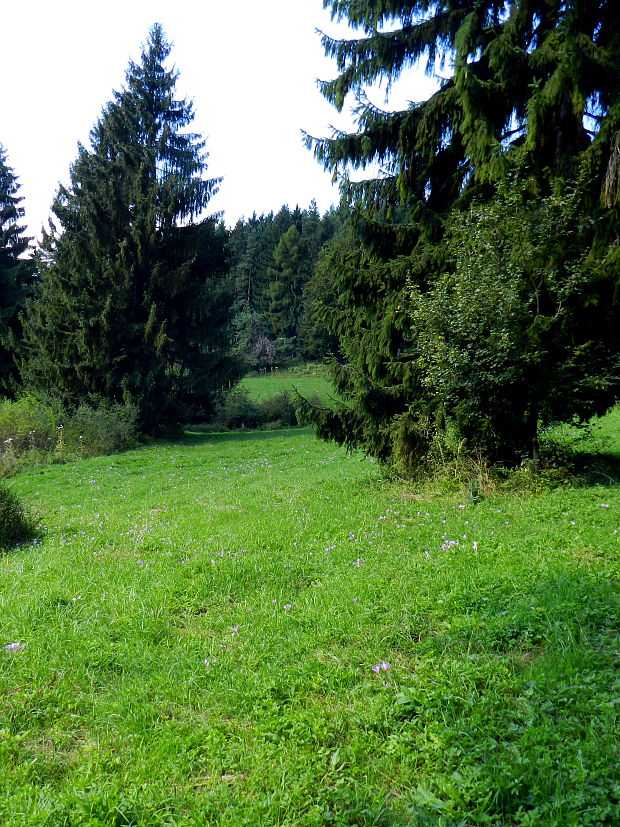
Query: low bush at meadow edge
{"x": 16, "y": 524}
{"x": 268, "y": 400}
{"x": 257, "y": 628}
{"x": 34, "y": 432}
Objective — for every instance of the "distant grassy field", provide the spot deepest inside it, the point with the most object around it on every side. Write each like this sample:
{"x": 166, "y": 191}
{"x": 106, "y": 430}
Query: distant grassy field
{"x": 257, "y": 629}
{"x": 309, "y": 382}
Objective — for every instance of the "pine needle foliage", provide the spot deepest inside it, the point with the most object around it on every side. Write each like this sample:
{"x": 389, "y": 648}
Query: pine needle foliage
{"x": 527, "y": 113}
{"x": 133, "y": 298}
{"x": 16, "y": 269}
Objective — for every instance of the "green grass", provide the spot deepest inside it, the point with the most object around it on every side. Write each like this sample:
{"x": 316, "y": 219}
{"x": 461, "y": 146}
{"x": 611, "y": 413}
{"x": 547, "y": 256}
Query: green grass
{"x": 200, "y": 622}
{"x": 310, "y": 381}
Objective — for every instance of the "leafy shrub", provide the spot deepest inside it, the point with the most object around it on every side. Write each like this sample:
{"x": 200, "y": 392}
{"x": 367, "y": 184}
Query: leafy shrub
{"x": 36, "y": 431}
{"x": 278, "y": 411}
{"x": 28, "y": 424}
{"x": 15, "y": 523}
{"x": 107, "y": 429}
{"x": 237, "y": 411}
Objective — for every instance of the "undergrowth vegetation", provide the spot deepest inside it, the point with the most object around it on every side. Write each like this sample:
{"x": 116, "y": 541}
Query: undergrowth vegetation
{"x": 34, "y": 432}
{"x": 256, "y": 628}
{"x": 16, "y": 524}
{"x": 239, "y": 411}
{"x": 270, "y": 400}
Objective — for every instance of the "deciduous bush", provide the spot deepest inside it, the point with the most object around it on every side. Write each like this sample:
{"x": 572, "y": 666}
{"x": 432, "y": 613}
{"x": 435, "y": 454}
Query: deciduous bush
{"x": 29, "y": 424}
{"x": 37, "y": 431}
{"x": 237, "y": 411}
{"x": 107, "y": 429}
{"x": 278, "y": 410}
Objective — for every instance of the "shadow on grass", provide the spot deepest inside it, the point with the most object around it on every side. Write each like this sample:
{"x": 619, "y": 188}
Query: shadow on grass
{"x": 596, "y": 469}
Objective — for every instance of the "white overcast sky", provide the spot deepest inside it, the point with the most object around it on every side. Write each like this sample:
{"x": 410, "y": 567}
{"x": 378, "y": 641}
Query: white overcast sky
{"x": 250, "y": 67}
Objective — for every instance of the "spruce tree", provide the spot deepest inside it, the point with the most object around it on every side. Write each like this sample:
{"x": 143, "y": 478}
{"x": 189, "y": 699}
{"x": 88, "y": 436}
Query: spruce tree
{"x": 530, "y": 95}
{"x": 16, "y": 270}
{"x": 284, "y": 290}
{"x": 133, "y": 299}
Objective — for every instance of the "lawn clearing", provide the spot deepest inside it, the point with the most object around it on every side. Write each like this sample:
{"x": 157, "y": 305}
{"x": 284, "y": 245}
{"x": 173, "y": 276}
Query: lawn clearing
{"x": 310, "y": 382}
{"x": 256, "y": 629}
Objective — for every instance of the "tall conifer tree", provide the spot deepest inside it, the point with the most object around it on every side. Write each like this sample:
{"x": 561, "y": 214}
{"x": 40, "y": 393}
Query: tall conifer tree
{"x": 283, "y": 292}
{"x": 531, "y": 93}
{"x": 16, "y": 269}
{"x": 133, "y": 299}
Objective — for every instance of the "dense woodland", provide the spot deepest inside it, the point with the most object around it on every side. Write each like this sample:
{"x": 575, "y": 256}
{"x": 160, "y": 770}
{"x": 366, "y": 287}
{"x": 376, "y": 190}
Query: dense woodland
{"x": 466, "y": 296}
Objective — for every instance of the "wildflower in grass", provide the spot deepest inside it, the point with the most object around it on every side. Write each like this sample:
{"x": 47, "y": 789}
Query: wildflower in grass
{"x": 287, "y": 606}
{"x": 74, "y": 599}
{"x": 14, "y": 647}
{"x": 207, "y": 662}
{"x": 234, "y": 629}
{"x": 604, "y": 505}
{"x": 357, "y": 563}
{"x": 475, "y": 545}
{"x": 449, "y": 544}
{"x": 381, "y": 667}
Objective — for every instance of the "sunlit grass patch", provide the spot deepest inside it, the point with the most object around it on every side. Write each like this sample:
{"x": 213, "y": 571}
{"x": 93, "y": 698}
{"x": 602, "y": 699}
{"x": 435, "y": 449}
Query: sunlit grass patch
{"x": 310, "y": 382}
{"x": 257, "y": 628}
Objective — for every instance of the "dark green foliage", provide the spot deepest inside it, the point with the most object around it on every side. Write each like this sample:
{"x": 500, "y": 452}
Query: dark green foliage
{"x": 520, "y": 331}
{"x": 283, "y": 292}
{"x": 530, "y": 95}
{"x": 133, "y": 299}
{"x": 321, "y": 293}
{"x": 16, "y": 271}
{"x": 252, "y": 345}
{"x": 278, "y": 411}
{"x": 108, "y": 429}
{"x": 237, "y": 411}
{"x": 15, "y": 523}
{"x": 273, "y": 259}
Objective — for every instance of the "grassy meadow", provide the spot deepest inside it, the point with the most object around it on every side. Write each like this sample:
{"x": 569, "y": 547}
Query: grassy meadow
{"x": 309, "y": 380}
{"x": 259, "y": 629}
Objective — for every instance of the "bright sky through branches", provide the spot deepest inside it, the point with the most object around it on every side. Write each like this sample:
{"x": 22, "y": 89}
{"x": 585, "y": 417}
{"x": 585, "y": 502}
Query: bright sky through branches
{"x": 250, "y": 67}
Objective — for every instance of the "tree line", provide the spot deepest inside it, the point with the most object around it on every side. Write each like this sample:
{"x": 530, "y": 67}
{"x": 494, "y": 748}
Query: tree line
{"x": 133, "y": 295}
{"x": 276, "y": 308}
{"x": 467, "y": 294}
